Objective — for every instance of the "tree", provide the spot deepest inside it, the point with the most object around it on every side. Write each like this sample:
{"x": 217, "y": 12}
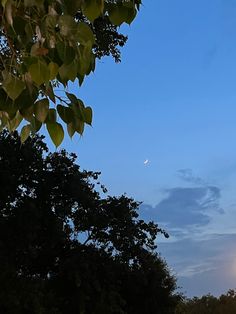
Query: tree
{"x": 207, "y": 304}
{"x": 65, "y": 247}
{"x": 47, "y": 43}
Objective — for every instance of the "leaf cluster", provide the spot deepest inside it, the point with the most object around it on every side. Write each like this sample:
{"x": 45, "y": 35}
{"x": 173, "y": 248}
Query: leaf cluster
{"x": 46, "y": 44}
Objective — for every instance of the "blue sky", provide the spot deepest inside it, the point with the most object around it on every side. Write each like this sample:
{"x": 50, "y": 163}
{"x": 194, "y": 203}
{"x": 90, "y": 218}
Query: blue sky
{"x": 172, "y": 100}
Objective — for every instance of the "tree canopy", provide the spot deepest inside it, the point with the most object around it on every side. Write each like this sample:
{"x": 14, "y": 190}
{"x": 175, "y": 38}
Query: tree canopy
{"x": 68, "y": 247}
{"x": 47, "y": 43}
{"x": 209, "y": 304}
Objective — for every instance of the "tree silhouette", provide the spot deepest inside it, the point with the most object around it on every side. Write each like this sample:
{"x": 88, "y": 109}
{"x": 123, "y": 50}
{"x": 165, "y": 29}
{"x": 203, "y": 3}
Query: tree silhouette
{"x": 209, "y": 304}
{"x": 66, "y": 247}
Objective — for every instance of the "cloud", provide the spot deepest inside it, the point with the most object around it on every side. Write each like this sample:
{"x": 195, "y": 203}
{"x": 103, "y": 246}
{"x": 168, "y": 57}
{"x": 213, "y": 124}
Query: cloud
{"x": 187, "y": 176}
{"x": 185, "y": 207}
{"x": 204, "y": 264}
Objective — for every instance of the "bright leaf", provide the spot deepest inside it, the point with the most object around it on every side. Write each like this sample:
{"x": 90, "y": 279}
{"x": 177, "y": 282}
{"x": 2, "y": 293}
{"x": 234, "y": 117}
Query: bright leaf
{"x": 13, "y": 86}
{"x": 39, "y": 72}
{"x": 41, "y": 109}
{"x": 56, "y": 133}
{"x": 25, "y": 132}
{"x": 53, "y": 69}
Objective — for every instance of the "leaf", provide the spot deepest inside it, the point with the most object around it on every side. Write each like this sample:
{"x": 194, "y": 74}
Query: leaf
{"x": 70, "y": 129}
{"x": 78, "y": 109}
{"x": 41, "y": 109}
{"x": 15, "y": 122}
{"x": 35, "y": 125}
{"x": 27, "y": 113}
{"x": 92, "y": 9}
{"x": 86, "y": 58}
{"x": 26, "y": 98}
{"x": 67, "y": 25}
{"x": 56, "y": 133}
{"x": 52, "y": 116}
{"x": 68, "y": 72}
{"x": 50, "y": 92}
{"x": 13, "y": 86}
{"x": 39, "y": 72}
{"x": 131, "y": 12}
{"x": 88, "y": 115}
{"x": 72, "y": 98}
{"x": 85, "y": 34}
{"x": 53, "y": 70}
{"x": 65, "y": 113}
{"x": 118, "y": 13}
{"x": 25, "y": 132}
{"x": 78, "y": 126}
{"x": 65, "y": 52}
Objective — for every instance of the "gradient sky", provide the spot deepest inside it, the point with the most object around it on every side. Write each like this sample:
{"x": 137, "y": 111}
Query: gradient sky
{"x": 172, "y": 100}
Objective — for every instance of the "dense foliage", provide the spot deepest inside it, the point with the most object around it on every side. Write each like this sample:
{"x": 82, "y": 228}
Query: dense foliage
{"x": 47, "y": 43}
{"x": 65, "y": 247}
{"x": 208, "y": 304}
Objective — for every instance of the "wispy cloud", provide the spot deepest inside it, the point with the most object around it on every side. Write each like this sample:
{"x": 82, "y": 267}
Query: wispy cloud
{"x": 188, "y": 176}
{"x": 210, "y": 263}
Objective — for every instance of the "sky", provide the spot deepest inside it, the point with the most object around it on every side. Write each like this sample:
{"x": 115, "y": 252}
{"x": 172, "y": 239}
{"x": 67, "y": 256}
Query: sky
{"x": 172, "y": 100}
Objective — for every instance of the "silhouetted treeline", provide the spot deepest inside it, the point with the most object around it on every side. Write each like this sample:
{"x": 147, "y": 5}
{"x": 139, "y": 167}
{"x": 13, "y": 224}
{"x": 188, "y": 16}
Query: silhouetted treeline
{"x": 66, "y": 248}
{"x": 208, "y": 304}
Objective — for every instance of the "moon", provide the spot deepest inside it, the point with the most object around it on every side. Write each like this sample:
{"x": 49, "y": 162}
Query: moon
{"x": 146, "y": 161}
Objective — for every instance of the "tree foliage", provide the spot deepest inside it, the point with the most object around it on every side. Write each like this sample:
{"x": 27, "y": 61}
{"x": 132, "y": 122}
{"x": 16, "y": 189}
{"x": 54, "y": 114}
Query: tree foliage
{"x": 208, "y": 304}
{"x": 48, "y": 43}
{"x": 65, "y": 247}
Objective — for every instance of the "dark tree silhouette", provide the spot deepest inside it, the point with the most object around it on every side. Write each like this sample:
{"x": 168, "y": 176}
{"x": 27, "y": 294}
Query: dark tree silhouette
{"x": 67, "y": 248}
{"x": 209, "y": 304}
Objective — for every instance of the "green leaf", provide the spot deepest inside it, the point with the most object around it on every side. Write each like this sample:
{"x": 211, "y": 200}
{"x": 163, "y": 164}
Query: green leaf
{"x": 78, "y": 109}
{"x": 67, "y": 25}
{"x": 56, "y": 133}
{"x": 41, "y": 109}
{"x": 85, "y": 34}
{"x": 88, "y": 115}
{"x": 27, "y": 113}
{"x": 68, "y": 72}
{"x": 118, "y": 13}
{"x": 86, "y": 58}
{"x": 53, "y": 70}
{"x": 92, "y": 9}
{"x": 35, "y": 125}
{"x": 13, "y": 86}
{"x": 39, "y": 72}
{"x": 26, "y": 98}
{"x": 25, "y": 132}
{"x": 65, "y": 113}
{"x": 15, "y": 122}
{"x": 65, "y": 52}
{"x": 50, "y": 92}
{"x": 70, "y": 129}
{"x": 131, "y": 12}
{"x": 72, "y": 98}
{"x": 78, "y": 126}
{"x": 52, "y": 116}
